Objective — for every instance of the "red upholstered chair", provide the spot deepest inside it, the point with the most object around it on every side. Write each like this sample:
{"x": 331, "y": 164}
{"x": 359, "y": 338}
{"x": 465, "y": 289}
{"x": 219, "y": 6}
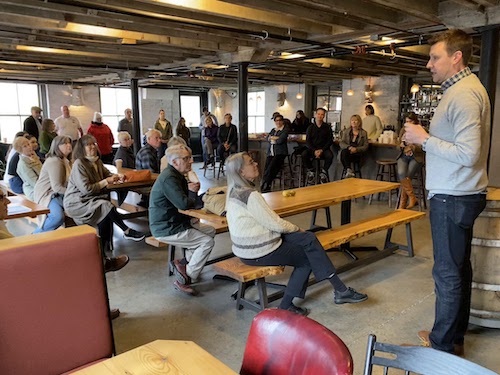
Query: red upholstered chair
{"x": 283, "y": 343}
{"x": 54, "y": 313}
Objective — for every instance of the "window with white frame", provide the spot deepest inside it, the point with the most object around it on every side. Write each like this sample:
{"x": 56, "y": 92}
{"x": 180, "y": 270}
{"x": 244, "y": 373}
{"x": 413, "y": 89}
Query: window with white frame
{"x": 114, "y": 102}
{"x": 256, "y": 116}
{"x": 16, "y": 100}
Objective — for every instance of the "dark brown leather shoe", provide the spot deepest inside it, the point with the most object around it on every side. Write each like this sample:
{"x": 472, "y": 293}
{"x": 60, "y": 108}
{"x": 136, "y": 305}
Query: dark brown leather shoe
{"x": 115, "y": 264}
{"x": 180, "y": 272}
{"x": 114, "y": 313}
{"x": 186, "y": 289}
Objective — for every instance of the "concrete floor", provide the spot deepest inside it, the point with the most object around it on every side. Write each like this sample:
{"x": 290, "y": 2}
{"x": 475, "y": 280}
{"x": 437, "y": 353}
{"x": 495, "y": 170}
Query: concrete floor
{"x": 400, "y": 290}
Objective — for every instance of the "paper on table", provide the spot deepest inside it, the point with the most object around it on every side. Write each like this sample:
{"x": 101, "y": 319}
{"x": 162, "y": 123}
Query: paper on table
{"x": 13, "y": 209}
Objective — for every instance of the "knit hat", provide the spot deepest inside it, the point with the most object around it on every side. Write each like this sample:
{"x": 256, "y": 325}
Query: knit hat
{"x": 97, "y": 117}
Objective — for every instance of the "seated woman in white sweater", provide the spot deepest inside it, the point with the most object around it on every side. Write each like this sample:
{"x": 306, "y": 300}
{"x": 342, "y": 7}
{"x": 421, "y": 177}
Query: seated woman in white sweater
{"x": 261, "y": 238}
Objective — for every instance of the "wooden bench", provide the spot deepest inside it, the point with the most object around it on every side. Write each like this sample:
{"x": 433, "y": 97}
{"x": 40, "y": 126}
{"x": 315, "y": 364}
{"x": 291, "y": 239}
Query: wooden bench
{"x": 219, "y": 228}
{"x": 344, "y": 234}
{"x": 247, "y": 276}
{"x": 331, "y": 238}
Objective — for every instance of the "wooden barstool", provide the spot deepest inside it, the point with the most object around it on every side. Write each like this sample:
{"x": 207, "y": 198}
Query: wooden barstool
{"x": 386, "y": 172}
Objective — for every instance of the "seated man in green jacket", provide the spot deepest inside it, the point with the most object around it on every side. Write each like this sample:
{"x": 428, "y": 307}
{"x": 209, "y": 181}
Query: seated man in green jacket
{"x": 169, "y": 194}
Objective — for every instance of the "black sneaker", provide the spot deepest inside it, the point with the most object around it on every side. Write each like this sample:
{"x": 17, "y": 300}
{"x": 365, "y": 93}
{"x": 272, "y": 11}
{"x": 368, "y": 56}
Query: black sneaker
{"x": 134, "y": 235}
{"x": 323, "y": 177}
{"x": 299, "y": 310}
{"x": 349, "y": 296}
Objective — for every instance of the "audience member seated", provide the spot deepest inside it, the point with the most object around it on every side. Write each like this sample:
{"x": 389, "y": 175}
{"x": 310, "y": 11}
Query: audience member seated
{"x": 11, "y": 177}
{"x": 47, "y": 135}
{"x": 410, "y": 161}
{"x": 51, "y": 185}
{"x": 87, "y": 201}
{"x": 29, "y": 166}
{"x": 4, "y": 201}
{"x": 183, "y": 131}
{"x": 261, "y": 238}
{"x": 227, "y": 136}
{"x": 372, "y": 124}
{"x": 170, "y": 194}
{"x": 174, "y": 141}
{"x": 319, "y": 140}
{"x": 147, "y": 156}
{"x": 104, "y": 138}
{"x": 300, "y": 123}
{"x": 209, "y": 135}
{"x": 125, "y": 152}
{"x": 353, "y": 144}
{"x": 166, "y": 132}
{"x": 35, "y": 147}
{"x": 277, "y": 151}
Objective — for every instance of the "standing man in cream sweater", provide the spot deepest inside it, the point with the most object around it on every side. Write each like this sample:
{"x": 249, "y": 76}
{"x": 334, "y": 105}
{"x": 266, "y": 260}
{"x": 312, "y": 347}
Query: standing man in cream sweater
{"x": 457, "y": 151}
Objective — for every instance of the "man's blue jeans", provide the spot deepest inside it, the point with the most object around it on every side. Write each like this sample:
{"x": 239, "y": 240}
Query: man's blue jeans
{"x": 452, "y": 219}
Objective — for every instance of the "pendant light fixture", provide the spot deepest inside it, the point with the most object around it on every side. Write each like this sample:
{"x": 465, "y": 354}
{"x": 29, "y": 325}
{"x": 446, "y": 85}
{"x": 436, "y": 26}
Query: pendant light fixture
{"x": 350, "y": 92}
{"x": 299, "y": 94}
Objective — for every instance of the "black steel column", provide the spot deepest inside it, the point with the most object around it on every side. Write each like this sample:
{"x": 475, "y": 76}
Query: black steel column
{"x": 243, "y": 105}
{"x": 489, "y": 60}
{"x": 136, "y": 126}
{"x": 488, "y": 70}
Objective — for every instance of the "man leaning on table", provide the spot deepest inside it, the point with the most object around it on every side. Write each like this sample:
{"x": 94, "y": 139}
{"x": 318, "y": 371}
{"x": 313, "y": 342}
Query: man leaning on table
{"x": 170, "y": 194}
{"x": 457, "y": 151}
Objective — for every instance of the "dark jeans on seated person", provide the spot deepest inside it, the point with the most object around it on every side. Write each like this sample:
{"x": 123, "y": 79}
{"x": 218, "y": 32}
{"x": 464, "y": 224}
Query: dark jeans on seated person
{"x": 304, "y": 252}
{"x": 223, "y": 154}
{"x": 308, "y": 156}
{"x": 16, "y": 185}
{"x": 273, "y": 166}
{"x": 452, "y": 219}
{"x": 347, "y": 158}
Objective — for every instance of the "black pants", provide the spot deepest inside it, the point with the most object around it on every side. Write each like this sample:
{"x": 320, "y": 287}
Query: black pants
{"x": 105, "y": 227}
{"x": 308, "y": 156}
{"x": 304, "y": 252}
{"x": 223, "y": 154}
{"x": 347, "y": 158}
{"x": 273, "y": 166}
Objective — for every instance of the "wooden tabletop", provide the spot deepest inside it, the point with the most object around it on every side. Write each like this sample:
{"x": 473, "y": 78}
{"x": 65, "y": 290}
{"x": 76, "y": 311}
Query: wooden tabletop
{"x": 324, "y": 195}
{"x": 20, "y": 206}
{"x": 161, "y": 357}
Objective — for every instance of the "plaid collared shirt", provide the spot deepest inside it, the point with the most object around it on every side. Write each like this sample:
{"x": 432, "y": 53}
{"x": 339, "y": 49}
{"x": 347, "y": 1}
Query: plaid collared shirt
{"x": 454, "y": 79}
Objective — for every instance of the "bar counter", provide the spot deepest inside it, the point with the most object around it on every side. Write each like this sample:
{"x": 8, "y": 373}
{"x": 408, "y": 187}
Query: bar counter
{"x": 376, "y": 150}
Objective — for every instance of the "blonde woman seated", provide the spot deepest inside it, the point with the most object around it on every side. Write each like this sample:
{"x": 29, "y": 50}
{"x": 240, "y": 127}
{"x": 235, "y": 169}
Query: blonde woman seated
{"x": 51, "y": 185}
{"x": 261, "y": 238}
{"x": 29, "y": 165}
{"x": 353, "y": 144}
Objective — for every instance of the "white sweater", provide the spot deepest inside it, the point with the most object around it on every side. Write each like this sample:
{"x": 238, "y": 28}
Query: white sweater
{"x": 255, "y": 229}
{"x": 457, "y": 150}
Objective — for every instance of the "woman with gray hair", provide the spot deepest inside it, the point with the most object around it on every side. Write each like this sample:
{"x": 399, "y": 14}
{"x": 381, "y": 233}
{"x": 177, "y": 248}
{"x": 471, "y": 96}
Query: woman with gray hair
{"x": 261, "y": 238}
{"x": 51, "y": 185}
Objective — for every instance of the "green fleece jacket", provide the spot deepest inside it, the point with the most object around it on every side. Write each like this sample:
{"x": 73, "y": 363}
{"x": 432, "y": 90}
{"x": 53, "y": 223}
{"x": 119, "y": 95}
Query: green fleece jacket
{"x": 169, "y": 195}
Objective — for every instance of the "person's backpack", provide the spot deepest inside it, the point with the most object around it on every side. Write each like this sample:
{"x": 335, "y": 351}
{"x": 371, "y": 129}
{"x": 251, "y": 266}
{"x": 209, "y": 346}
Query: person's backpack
{"x": 215, "y": 200}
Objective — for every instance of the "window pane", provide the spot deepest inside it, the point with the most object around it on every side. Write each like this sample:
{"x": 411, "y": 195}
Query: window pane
{"x": 251, "y": 125}
{"x": 260, "y": 125}
{"x": 27, "y": 97}
{"x": 8, "y": 99}
{"x": 260, "y": 103}
{"x": 108, "y": 101}
{"x": 123, "y": 101}
{"x": 9, "y": 126}
{"x": 190, "y": 110}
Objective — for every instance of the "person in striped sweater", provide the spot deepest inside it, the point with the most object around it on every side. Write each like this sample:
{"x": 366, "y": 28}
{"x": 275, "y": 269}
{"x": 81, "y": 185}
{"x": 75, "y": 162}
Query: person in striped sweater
{"x": 261, "y": 238}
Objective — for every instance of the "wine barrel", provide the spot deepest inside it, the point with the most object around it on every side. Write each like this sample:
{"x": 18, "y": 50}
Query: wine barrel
{"x": 485, "y": 259}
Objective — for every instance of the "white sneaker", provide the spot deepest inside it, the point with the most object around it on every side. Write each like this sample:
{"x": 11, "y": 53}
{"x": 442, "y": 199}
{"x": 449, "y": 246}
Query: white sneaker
{"x": 349, "y": 173}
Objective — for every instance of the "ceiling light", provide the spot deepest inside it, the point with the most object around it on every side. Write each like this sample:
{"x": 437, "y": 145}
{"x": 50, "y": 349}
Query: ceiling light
{"x": 288, "y": 55}
{"x": 350, "y": 92}
{"x": 299, "y": 94}
{"x": 415, "y": 88}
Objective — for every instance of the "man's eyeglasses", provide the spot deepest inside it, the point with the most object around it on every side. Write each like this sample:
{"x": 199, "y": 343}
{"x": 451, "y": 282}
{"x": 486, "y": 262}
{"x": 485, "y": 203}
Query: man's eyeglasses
{"x": 185, "y": 158}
